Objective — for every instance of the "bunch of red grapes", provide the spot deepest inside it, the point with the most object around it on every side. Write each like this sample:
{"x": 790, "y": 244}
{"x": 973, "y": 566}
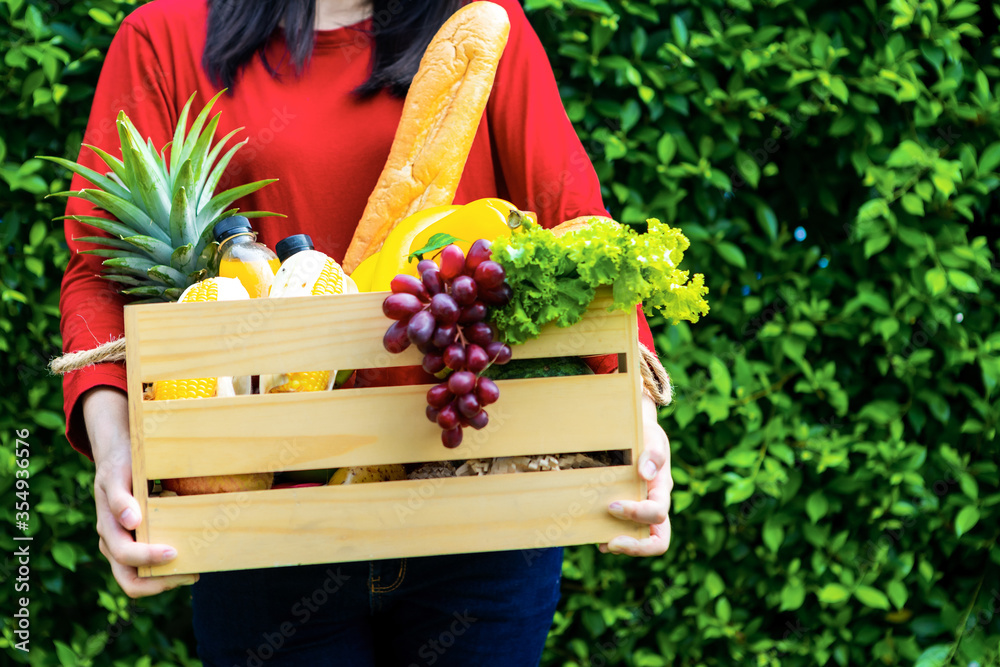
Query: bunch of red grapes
{"x": 444, "y": 313}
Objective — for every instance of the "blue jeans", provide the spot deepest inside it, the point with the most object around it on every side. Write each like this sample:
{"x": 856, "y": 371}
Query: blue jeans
{"x": 468, "y": 610}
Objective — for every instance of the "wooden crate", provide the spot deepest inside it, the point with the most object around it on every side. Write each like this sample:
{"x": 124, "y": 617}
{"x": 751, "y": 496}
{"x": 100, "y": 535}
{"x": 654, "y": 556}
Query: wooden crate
{"x": 375, "y": 425}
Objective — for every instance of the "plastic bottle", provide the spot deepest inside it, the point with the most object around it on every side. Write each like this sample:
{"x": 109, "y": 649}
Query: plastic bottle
{"x": 241, "y": 257}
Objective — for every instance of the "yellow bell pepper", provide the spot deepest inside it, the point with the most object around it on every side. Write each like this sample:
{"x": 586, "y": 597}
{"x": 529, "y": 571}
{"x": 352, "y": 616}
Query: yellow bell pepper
{"x": 481, "y": 219}
{"x": 363, "y": 275}
{"x": 397, "y": 244}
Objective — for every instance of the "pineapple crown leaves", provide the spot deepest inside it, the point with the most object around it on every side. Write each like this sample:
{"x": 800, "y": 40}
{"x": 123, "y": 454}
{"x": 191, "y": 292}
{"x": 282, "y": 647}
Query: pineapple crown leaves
{"x": 163, "y": 203}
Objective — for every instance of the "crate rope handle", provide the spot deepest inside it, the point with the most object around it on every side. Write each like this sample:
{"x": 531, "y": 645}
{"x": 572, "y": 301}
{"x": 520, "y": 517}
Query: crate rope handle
{"x": 655, "y": 381}
{"x": 113, "y": 350}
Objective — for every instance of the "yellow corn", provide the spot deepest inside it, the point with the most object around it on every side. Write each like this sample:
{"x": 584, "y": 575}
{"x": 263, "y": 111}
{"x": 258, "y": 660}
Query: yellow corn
{"x": 165, "y": 390}
{"x": 330, "y": 281}
{"x": 304, "y": 381}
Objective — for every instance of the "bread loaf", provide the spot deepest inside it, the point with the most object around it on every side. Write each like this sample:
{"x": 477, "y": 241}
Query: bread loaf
{"x": 576, "y": 223}
{"x": 441, "y": 115}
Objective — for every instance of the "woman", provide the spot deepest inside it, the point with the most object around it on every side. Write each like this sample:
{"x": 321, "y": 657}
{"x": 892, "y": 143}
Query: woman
{"x": 318, "y": 85}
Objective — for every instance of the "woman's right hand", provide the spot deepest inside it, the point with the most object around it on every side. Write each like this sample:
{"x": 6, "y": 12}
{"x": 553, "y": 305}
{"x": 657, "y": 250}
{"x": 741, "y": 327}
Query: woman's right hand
{"x": 105, "y": 412}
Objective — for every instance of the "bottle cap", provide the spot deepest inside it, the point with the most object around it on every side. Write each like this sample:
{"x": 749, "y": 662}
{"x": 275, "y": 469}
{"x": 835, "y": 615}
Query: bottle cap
{"x": 235, "y": 224}
{"x": 290, "y": 245}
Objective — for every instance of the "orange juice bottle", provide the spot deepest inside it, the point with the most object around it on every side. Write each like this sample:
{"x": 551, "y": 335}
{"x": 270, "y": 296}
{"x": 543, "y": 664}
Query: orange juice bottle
{"x": 241, "y": 257}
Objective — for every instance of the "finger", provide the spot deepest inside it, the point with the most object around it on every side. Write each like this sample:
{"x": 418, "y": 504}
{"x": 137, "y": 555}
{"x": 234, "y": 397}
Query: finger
{"x": 655, "y": 545}
{"x": 644, "y": 511}
{"x": 656, "y": 451}
{"x": 116, "y": 484}
{"x": 123, "y": 548}
{"x": 136, "y": 587}
{"x": 654, "y": 510}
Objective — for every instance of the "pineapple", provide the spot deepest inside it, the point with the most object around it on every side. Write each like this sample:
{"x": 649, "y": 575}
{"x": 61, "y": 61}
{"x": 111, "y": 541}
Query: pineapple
{"x": 165, "y": 206}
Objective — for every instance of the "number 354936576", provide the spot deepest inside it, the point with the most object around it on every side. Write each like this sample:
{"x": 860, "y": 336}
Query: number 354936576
{"x": 22, "y": 453}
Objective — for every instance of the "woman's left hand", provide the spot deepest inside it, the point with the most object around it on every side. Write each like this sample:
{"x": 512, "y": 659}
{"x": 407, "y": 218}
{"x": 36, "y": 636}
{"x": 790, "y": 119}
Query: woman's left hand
{"x": 654, "y": 466}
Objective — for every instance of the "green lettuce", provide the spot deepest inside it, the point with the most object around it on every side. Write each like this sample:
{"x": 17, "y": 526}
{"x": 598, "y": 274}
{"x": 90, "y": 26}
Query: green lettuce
{"x": 555, "y": 278}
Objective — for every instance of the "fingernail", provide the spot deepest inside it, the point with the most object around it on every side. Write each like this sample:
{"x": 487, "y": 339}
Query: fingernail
{"x": 169, "y": 554}
{"x": 129, "y": 517}
{"x": 616, "y": 509}
{"x": 649, "y": 470}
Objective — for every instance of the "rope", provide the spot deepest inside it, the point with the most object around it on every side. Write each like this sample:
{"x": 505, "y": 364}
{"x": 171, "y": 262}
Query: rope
{"x": 113, "y": 350}
{"x": 655, "y": 380}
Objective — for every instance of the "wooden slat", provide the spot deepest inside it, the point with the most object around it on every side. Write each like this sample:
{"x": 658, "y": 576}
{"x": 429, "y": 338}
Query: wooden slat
{"x": 392, "y": 519}
{"x": 178, "y": 341}
{"x": 135, "y": 426}
{"x": 376, "y": 425}
{"x": 633, "y": 373}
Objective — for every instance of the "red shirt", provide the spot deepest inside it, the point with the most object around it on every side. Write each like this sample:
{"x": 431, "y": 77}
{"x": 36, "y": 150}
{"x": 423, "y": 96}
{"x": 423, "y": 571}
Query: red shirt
{"x": 325, "y": 145}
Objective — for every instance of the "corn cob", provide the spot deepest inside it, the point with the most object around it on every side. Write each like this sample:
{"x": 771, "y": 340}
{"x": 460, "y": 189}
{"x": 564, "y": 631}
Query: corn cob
{"x": 306, "y": 273}
{"x": 213, "y": 289}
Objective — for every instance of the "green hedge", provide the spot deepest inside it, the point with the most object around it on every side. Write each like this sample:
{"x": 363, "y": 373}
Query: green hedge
{"x": 835, "y": 166}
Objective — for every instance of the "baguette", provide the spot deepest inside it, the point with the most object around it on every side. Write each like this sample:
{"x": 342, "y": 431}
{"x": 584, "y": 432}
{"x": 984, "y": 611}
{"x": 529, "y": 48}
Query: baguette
{"x": 441, "y": 115}
{"x": 576, "y": 223}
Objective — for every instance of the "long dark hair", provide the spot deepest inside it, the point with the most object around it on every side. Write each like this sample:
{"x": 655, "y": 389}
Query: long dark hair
{"x": 401, "y": 29}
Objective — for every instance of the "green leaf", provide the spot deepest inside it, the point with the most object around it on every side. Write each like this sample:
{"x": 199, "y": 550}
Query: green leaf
{"x": 962, "y": 281}
{"x": 967, "y": 518}
{"x": 723, "y": 610}
{"x": 817, "y": 506}
{"x": 990, "y": 158}
{"x": 739, "y": 491}
{"x": 732, "y": 254}
{"x": 721, "y": 378}
{"x": 897, "y": 593}
{"x": 67, "y": 656}
{"x": 666, "y": 147}
{"x": 876, "y": 244}
{"x": 871, "y": 597}
{"x": 935, "y": 656}
{"x": 49, "y": 419}
{"x": 714, "y": 585}
{"x": 748, "y": 168}
{"x": 773, "y": 535}
{"x": 435, "y": 242}
{"x": 833, "y": 594}
{"x": 101, "y": 16}
{"x": 64, "y": 554}
{"x": 912, "y": 204}
{"x": 936, "y": 281}
{"x": 768, "y": 221}
{"x": 680, "y": 30}
{"x": 907, "y": 154}
{"x": 792, "y": 596}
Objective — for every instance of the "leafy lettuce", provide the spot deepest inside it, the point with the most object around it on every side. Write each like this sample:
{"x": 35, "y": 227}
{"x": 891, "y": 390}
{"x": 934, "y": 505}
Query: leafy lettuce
{"x": 555, "y": 278}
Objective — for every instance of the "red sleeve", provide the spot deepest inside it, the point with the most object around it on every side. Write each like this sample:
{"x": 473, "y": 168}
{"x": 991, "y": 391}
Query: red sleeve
{"x": 544, "y": 164}
{"x": 91, "y": 307}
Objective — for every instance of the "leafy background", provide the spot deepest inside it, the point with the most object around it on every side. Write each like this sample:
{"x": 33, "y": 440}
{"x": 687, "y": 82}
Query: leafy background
{"x": 834, "y": 434}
